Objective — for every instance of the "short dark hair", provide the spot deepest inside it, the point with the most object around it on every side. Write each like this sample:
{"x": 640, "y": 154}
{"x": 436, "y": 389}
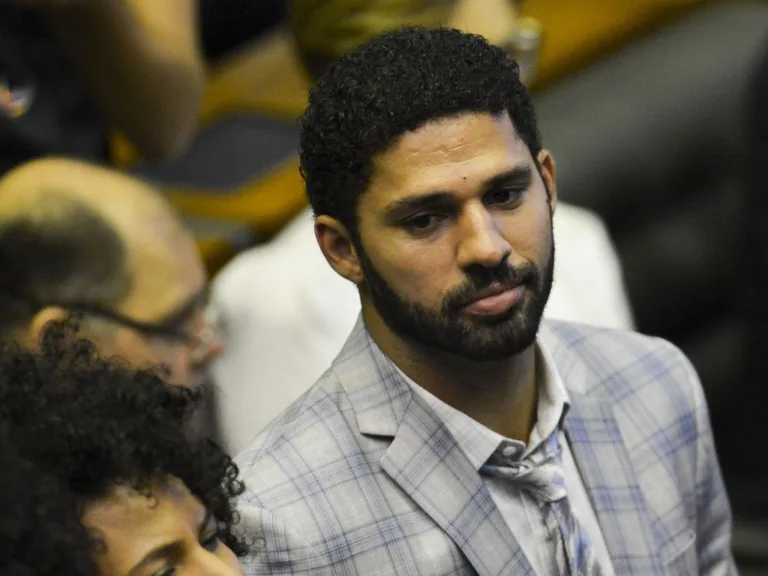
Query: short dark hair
{"x": 40, "y": 530}
{"x": 96, "y": 423}
{"x": 395, "y": 84}
{"x": 60, "y": 251}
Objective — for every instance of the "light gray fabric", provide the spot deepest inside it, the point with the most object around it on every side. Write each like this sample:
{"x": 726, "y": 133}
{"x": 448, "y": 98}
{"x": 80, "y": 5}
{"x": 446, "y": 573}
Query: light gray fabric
{"x": 360, "y": 476}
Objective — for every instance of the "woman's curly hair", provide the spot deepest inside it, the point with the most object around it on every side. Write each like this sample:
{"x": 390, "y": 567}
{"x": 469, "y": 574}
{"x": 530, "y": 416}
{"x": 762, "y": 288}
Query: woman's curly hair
{"x": 96, "y": 423}
{"x": 40, "y": 530}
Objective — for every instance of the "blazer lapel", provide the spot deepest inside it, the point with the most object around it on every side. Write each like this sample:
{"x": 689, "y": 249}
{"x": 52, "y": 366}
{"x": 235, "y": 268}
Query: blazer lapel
{"x": 609, "y": 477}
{"x": 425, "y": 460}
{"x": 428, "y": 464}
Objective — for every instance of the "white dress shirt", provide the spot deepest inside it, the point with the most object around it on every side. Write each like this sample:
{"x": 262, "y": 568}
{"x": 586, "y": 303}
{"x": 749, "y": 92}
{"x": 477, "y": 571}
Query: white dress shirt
{"x": 519, "y": 509}
{"x": 286, "y": 314}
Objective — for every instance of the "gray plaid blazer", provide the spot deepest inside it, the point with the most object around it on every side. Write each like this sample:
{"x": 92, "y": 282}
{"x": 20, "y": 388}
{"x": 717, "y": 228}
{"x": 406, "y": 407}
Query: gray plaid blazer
{"x": 359, "y": 476}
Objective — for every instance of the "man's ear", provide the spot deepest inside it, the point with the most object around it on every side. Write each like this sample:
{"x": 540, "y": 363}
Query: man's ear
{"x": 336, "y": 244}
{"x": 547, "y": 165}
{"x": 40, "y": 322}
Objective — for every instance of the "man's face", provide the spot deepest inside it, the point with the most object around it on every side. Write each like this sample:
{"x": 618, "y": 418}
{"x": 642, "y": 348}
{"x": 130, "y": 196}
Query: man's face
{"x": 168, "y": 290}
{"x": 455, "y": 241}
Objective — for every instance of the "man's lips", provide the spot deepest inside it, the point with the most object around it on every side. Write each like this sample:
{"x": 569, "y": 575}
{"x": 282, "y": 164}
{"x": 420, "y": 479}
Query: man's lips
{"x": 495, "y": 300}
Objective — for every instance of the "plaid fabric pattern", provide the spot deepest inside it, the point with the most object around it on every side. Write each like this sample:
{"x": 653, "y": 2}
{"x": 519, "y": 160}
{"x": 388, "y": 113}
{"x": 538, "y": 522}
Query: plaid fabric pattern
{"x": 360, "y": 476}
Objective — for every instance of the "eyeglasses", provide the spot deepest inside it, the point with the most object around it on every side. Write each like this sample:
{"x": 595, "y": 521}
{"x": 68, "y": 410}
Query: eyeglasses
{"x": 178, "y": 327}
{"x": 166, "y": 331}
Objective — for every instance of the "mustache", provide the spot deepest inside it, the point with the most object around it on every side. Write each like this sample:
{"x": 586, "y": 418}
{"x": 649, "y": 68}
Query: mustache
{"x": 503, "y": 276}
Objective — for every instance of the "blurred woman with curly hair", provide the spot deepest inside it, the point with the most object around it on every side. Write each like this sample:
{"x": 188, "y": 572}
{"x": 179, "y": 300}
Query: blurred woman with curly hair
{"x": 153, "y": 499}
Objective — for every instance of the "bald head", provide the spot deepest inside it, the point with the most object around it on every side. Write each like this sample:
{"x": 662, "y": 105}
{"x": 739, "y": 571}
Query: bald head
{"x": 77, "y": 237}
{"x": 54, "y": 248}
{"x": 72, "y": 232}
{"x": 127, "y": 204}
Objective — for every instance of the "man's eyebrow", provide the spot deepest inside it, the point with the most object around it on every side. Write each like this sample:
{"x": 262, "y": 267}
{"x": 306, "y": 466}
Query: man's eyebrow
{"x": 517, "y": 176}
{"x": 411, "y": 204}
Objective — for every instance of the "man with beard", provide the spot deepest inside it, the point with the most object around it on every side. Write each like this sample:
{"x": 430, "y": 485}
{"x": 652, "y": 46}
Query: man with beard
{"x": 456, "y": 432}
{"x": 286, "y": 314}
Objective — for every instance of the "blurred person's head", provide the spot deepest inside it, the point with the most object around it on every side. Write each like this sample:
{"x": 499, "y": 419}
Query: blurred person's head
{"x": 152, "y": 497}
{"x": 80, "y": 239}
{"x": 424, "y": 166}
{"x": 40, "y": 530}
{"x": 324, "y": 30}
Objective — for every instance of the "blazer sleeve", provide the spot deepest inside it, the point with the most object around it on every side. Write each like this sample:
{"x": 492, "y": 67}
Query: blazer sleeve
{"x": 275, "y": 547}
{"x": 713, "y": 511}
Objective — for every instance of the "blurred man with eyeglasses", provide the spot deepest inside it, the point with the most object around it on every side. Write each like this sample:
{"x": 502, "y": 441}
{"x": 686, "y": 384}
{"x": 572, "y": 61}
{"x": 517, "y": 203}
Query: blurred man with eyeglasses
{"x": 80, "y": 240}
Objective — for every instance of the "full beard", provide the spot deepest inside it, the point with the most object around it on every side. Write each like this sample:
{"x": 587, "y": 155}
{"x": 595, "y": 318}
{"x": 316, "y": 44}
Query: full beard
{"x": 451, "y": 329}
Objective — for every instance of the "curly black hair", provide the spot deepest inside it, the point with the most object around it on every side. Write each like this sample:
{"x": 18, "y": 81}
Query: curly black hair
{"x": 395, "y": 84}
{"x": 40, "y": 529}
{"x": 96, "y": 423}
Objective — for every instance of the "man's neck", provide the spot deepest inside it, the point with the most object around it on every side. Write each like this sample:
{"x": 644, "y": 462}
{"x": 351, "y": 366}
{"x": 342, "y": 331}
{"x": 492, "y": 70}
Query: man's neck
{"x": 500, "y": 395}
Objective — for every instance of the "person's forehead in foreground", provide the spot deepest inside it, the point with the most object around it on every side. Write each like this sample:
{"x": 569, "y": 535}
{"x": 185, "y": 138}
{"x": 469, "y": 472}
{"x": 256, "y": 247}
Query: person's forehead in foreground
{"x": 169, "y": 529}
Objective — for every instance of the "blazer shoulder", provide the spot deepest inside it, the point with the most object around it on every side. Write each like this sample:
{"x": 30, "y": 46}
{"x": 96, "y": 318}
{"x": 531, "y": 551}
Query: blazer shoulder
{"x": 319, "y": 409}
{"x": 620, "y": 363}
{"x": 653, "y": 389}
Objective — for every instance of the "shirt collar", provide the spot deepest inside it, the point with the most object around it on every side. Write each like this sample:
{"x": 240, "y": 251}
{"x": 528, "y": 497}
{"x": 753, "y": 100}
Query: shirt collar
{"x": 554, "y": 402}
{"x": 478, "y": 442}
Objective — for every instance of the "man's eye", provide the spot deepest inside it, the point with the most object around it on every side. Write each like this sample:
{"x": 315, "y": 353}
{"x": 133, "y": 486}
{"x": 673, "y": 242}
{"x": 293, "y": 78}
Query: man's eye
{"x": 423, "y": 223}
{"x": 504, "y": 197}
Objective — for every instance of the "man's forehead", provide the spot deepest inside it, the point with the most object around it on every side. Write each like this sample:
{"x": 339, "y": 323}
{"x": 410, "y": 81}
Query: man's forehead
{"x": 470, "y": 146}
{"x": 453, "y": 136}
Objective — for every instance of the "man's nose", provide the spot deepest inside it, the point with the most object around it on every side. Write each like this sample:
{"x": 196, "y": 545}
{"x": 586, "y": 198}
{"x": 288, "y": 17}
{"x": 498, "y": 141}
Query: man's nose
{"x": 481, "y": 243}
